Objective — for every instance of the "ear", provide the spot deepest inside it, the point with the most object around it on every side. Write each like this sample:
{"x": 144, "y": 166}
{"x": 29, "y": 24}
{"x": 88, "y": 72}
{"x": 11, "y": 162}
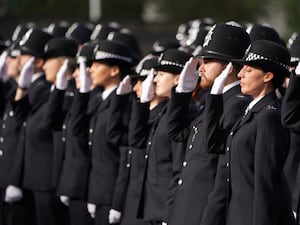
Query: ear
{"x": 114, "y": 71}
{"x": 268, "y": 77}
{"x": 176, "y": 80}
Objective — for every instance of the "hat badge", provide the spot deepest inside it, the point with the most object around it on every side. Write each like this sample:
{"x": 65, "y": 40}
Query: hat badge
{"x": 26, "y": 37}
{"x": 208, "y": 36}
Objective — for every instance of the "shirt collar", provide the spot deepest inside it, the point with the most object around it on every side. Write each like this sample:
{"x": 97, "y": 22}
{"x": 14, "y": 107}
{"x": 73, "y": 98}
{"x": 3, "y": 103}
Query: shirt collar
{"x": 107, "y": 92}
{"x": 231, "y": 85}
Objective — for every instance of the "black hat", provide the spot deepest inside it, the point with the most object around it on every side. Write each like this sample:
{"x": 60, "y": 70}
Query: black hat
{"x": 33, "y": 42}
{"x": 101, "y": 31}
{"x": 86, "y": 53}
{"x": 113, "y": 53}
{"x": 226, "y": 42}
{"x": 142, "y": 70}
{"x": 128, "y": 39}
{"x": 262, "y": 32}
{"x": 58, "y": 29}
{"x": 294, "y": 48}
{"x": 270, "y": 57}
{"x": 173, "y": 61}
{"x": 80, "y": 32}
{"x": 163, "y": 44}
{"x": 60, "y": 46}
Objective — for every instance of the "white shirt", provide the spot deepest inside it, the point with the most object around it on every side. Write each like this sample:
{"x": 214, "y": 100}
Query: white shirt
{"x": 107, "y": 92}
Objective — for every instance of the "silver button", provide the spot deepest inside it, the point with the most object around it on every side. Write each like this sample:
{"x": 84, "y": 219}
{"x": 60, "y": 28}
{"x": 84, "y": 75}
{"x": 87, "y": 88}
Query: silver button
{"x": 184, "y": 163}
{"x": 191, "y": 146}
{"x": 227, "y": 164}
{"x": 91, "y": 131}
{"x": 149, "y": 143}
{"x": 127, "y": 165}
{"x": 146, "y": 156}
{"x": 89, "y": 143}
{"x": 227, "y": 179}
{"x": 24, "y": 124}
{"x": 227, "y": 149}
{"x": 64, "y": 126}
{"x": 231, "y": 133}
{"x": 11, "y": 113}
{"x": 1, "y": 139}
{"x": 3, "y": 126}
{"x": 63, "y": 139}
{"x": 180, "y": 181}
{"x": 1, "y": 153}
{"x": 130, "y": 152}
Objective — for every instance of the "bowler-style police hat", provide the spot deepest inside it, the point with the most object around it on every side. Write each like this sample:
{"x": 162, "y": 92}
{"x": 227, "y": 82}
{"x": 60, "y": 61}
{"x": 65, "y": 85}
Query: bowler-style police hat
{"x": 60, "y": 46}
{"x": 262, "y": 32}
{"x": 101, "y": 31}
{"x": 163, "y": 44}
{"x": 114, "y": 53}
{"x": 144, "y": 67}
{"x": 173, "y": 61}
{"x": 86, "y": 53}
{"x": 270, "y": 57}
{"x": 58, "y": 29}
{"x": 226, "y": 42}
{"x": 80, "y": 32}
{"x": 33, "y": 42}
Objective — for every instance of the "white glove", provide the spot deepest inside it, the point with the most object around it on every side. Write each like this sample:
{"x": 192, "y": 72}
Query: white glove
{"x": 125, "y": 86}
{"x": 65, "y": 200}
{"x": 188, "y": 77}
{"x": 114, "y": 216}
{"x": 164, "y": 223}
{"x": 295, "y": 214}
{"x": 219, "y": 82}
{"x": 13, "y": 194}
{"x": 148, "y": 88}
{"x": 197, "y": 50}
{"x": 297, "y": 70}
{"x": 84, "y": 77}
{"x": 26, "y": 74}
{"x": 61, "y": 82}
{"x": 91, "y": 209}
{"x": 3, "y": 71}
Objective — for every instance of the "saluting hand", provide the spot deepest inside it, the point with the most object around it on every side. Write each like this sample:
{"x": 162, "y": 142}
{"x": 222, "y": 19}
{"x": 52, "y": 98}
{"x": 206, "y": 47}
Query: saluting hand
{"x": 84, "y": 77}
{"x": 61, "y": 82}
{"x": 125, "y": 86}
{"x": 26, "y": 73}
{"x": 3, "y": 72}
{"x": 188, "y": 77}
{"x": 219, "y": 82}
{"x": 148, "y": 88}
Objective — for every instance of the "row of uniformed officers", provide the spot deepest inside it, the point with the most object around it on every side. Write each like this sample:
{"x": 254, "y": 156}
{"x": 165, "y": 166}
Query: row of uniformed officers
{"x": 199, "y": 131}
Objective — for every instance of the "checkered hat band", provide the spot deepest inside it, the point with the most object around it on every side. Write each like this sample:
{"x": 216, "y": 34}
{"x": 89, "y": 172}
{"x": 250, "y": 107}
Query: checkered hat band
{"x": 295, "y": 59}
{"x": 170, "y": 63}
{"x": 107, "y": 55}
{"x": 253, "y": 57}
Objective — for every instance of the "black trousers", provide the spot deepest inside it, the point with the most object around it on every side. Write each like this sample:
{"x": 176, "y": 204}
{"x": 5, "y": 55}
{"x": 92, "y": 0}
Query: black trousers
{"x": 79, "y": 214}
{"x": 49, "y": 209}
{"x": 101, "y": 217}
{"x": 17, "y": 213}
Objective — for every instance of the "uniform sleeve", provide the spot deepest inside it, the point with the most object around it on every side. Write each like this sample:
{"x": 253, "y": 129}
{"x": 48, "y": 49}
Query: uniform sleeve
{"x": 271, "y": 147}
{"x": 178, "y": 122}
{"x": 291, "y": 104}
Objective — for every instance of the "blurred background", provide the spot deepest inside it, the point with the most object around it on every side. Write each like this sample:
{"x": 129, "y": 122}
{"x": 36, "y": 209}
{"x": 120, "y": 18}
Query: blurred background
{"x": 150, "y": 19}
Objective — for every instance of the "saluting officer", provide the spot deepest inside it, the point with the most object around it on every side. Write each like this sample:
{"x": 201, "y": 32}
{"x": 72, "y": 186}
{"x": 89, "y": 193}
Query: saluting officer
{"x": 223, "y": 43}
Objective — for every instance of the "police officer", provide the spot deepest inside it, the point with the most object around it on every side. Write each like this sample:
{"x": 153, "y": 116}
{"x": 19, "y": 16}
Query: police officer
{"x": 257, "y": 189}
{"x": 223, "y": 43}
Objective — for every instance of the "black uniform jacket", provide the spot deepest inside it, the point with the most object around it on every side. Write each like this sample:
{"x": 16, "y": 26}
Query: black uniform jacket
{"x": 108, "y": 133}
{"x": 200, "y": 166}
{"x": 75, "y": 170}
{"x": 34, "y": 162}
{"x": 257, "y": 147}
